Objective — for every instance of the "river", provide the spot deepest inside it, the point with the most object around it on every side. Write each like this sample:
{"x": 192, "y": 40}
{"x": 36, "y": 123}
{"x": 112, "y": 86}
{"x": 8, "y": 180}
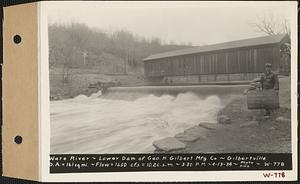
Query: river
{"x": 102, "y": 125}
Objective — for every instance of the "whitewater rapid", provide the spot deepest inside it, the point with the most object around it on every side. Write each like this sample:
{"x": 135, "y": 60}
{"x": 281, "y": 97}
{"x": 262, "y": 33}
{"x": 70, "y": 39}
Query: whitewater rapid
{"x": 99, "y": 125}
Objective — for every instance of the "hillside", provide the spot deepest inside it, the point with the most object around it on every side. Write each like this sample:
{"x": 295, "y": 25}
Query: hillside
{"x": 79, "y": 56}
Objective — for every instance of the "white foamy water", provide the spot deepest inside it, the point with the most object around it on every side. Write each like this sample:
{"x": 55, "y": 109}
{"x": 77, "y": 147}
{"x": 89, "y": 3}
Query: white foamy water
{"x": 99, "y": 125}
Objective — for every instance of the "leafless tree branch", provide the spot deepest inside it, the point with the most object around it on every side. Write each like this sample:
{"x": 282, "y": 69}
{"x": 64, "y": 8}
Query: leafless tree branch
{"x": 270, "y": 26}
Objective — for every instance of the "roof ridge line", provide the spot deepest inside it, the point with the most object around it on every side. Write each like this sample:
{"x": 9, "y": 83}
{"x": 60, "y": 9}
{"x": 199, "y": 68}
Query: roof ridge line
{"x": 262, "y": 40}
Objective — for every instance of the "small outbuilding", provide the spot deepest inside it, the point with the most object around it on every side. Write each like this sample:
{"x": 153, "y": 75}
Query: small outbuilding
{"x": 240, "y": 60}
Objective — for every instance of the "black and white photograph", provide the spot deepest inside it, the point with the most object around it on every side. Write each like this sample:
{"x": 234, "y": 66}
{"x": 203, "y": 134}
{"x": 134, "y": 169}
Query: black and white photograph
{"x": 166, "y": 77}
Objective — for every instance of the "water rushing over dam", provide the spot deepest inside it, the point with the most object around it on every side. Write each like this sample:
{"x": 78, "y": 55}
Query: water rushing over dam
{"x": 202, "y": 91}
{"x": 127, "y": 120}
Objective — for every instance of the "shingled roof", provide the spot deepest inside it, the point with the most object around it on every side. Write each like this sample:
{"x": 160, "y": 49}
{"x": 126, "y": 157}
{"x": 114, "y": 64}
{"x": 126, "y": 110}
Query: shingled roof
{"x": 265, "y": 40}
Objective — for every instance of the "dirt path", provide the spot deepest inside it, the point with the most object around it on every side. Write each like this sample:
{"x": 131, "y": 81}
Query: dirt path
{"x": 262, "y": 136}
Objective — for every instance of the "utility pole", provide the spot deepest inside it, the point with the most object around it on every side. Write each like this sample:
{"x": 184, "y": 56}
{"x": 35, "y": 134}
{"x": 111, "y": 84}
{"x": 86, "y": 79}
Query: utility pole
{"x": 126, "y": 62}
{"x": 84, "y": 54}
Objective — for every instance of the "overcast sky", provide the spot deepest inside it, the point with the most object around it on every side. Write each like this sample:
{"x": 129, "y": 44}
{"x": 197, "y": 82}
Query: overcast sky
{"x": 182, "y": 22}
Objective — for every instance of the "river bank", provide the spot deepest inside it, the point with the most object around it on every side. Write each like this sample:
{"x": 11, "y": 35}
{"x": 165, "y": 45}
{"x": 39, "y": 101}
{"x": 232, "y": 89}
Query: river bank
{"x": 239, "y": 130}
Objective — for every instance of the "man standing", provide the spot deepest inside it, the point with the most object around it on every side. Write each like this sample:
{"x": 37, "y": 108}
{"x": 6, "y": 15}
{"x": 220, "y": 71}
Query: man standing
{"x": 269, "y": 81}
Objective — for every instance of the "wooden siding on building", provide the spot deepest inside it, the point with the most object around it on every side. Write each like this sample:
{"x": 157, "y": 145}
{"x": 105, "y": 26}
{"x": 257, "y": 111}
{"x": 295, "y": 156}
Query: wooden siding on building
{"x": 231, "y": 61}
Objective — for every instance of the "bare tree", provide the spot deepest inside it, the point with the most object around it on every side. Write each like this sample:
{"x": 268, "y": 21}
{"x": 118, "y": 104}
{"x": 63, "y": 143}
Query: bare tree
{"x": 272, "y": 26}
{"x": 286, "y": 27}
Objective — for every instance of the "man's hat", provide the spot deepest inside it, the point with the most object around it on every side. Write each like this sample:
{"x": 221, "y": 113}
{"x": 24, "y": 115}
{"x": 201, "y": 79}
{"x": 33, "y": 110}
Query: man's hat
{"x": 268, "y": 65}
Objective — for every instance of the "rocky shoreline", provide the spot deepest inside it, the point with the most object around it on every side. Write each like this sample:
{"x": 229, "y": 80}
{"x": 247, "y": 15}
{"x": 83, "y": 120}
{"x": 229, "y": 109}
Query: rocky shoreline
{"x": 238, "y": 130}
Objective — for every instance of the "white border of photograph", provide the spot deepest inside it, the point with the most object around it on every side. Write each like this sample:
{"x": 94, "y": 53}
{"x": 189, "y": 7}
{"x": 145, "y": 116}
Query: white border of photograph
{"x": 44, "y": 118}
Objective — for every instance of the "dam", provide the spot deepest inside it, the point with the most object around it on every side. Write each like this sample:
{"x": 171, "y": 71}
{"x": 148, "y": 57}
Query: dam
{"x": 129, "y": 119}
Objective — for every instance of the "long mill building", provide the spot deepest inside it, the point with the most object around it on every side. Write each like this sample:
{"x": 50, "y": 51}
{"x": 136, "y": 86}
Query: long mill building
{"x": 241, "y": 60}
